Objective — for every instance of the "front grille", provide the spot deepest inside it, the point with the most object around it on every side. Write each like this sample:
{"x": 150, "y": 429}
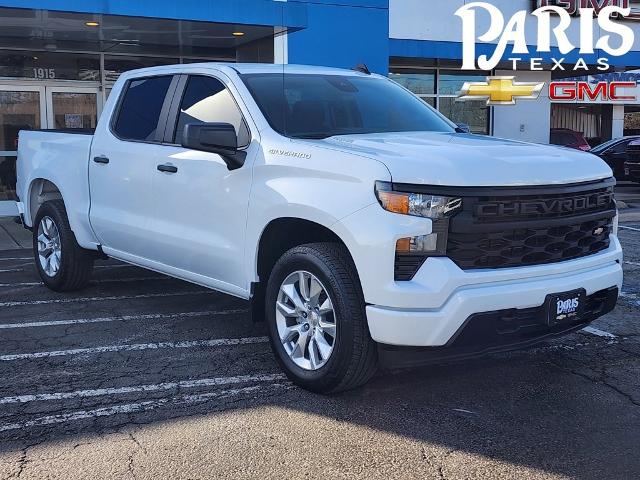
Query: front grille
{"x": 534, "y": 226}
{"x": 520, "y": 247}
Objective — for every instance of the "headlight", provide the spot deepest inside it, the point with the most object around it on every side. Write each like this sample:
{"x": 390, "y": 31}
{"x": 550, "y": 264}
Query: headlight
{"x": 416, "y": 204}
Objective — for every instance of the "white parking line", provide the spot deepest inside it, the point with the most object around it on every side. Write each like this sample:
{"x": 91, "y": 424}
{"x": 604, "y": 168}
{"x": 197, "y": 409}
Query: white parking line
{"x": 636, "y": 264}
{"x": 629, "y": 295}
{"x": 135, "y": 407}
{"x": 599, "y": 333}
{"x": 107, "y": 280}
{"x": 16, "y": 258}
{"x": 121, "y": 318}
{"x": 629, "y": 228}
{"x": 205, "y": 382}
{"x": 14, "y": 270}
{"x": 218, "y": 342}
{"x": 100, "y": 299}
{"x": 124, "y": 265}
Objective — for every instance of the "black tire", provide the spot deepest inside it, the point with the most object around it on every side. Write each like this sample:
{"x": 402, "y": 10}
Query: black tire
{"x": 76, "y": 263}
{"x": 354, "y": 358}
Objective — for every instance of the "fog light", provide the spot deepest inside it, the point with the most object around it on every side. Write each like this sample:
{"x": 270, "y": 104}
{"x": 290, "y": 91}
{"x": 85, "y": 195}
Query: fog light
{"x": 421, "y": 244}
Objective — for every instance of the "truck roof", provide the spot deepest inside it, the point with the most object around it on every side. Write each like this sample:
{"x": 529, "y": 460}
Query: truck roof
{"x": 249, "y": 68}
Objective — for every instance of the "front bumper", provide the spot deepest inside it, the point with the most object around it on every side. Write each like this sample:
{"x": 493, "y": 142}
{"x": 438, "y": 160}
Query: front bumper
{"x": 436, "y": 327}
{"x": 499, "y": 331}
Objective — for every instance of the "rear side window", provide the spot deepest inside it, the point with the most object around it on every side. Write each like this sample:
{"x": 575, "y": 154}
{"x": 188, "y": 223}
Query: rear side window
{"x": 619, "y": 148}
{"x": 140, "y": 108}
{"x": 207, "y": 100}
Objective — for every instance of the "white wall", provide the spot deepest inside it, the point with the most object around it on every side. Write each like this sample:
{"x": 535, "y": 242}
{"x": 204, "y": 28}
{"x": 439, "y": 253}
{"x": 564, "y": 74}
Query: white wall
{"x": 435, "y": 20}
{"x": 617, "y": 128}
{"x": 527, "y": 120}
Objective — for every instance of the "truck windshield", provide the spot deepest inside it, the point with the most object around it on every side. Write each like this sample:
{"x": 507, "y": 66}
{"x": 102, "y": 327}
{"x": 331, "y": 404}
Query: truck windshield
{"x": 321, "y": 106}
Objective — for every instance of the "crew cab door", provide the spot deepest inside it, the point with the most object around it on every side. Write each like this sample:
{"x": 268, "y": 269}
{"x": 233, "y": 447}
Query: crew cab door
{"x": 200, "y": 205}
{"x": 124, "y": 156}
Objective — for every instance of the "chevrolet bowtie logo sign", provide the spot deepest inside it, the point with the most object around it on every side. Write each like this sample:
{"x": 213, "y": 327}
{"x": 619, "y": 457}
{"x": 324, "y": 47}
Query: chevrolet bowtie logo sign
{"x": 500, "y": 91}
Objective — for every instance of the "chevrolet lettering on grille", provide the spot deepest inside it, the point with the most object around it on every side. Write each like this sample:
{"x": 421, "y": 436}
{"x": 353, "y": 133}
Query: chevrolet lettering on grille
{"x": 546, "y": 207}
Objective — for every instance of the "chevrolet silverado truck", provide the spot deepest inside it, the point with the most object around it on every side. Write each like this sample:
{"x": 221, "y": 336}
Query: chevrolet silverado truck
{"x": 364, "y": 227}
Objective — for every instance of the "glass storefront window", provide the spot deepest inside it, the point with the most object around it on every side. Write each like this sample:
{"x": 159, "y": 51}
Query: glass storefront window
{"x": 451, "y": 82}
{"x": 474, "y": 114}
{"x": 439, "y": 88}
{"x": 418, "y": 83}
{"x": 114, "y": 65}
{"x": 430, "y": 100}
{"x": 49, "y": 65}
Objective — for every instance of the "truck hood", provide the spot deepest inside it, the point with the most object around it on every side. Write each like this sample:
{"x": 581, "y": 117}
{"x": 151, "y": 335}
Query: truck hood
{"x": 433, "y": 158}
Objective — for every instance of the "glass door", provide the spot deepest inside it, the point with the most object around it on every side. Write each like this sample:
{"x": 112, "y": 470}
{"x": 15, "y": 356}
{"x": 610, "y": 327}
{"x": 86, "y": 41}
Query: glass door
{"x": 30, "y": 107}
{"x": 72, "y": 108}
{"x": 21, "y": 108}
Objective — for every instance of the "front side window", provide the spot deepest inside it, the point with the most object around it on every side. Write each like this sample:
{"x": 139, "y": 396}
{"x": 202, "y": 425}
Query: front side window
{"x": 321, "y": 106}
{"x": 140, "y": 109}
{"x": 206, "y": 100}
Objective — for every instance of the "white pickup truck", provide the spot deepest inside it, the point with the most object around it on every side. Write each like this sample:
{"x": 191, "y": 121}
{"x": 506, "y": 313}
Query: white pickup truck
{"x": 363, "y": 226}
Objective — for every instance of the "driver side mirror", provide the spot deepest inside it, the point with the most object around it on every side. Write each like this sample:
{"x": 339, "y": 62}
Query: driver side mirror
{"x": 220, "y": 138}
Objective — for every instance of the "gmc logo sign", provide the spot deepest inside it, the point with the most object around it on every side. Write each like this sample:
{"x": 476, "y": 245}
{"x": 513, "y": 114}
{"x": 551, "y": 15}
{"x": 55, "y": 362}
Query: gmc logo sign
{"x": 584, "y": 91}
{"x": 546, "y": 207}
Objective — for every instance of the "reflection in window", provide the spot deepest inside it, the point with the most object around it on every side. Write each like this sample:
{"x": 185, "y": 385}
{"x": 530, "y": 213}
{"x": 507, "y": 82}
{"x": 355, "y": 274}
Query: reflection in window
{"x": 418, "y": 83}
{"x": 49, "y": 65}
{"x": 206, "y": 100}
{"x": 115, "y": 65}
{"x": 451, "y": 82}
{"x": 474, "y": 114}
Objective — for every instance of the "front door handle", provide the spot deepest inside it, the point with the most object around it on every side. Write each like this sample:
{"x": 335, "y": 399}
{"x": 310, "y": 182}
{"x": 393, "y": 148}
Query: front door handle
{"x": 167, "y": 168}
{"x": 101, "y": 159}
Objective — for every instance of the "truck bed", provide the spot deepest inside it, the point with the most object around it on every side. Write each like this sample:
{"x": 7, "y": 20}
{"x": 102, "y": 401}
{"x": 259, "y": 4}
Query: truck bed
{"x": 61, "y": 158}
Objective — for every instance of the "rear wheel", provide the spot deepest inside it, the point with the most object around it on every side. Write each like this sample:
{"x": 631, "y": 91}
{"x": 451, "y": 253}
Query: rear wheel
{"x": 316, "y": 319}
{"x": 61, "y": 263}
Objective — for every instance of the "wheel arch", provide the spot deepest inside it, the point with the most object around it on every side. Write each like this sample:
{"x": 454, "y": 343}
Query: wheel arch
{"x": 40, "y": 190}
{"x": 278, "y": 236}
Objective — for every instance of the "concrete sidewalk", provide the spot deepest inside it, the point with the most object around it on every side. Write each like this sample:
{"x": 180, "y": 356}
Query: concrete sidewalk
{"x": 13, "y": 235}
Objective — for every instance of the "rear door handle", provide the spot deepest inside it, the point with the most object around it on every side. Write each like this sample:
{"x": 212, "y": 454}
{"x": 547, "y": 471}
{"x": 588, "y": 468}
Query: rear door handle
{"x": 101, "y": 159}
{"x": 167, "y": 168}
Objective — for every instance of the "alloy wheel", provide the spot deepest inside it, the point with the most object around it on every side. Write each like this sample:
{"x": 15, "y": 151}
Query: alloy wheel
{"x": 306, "y": 320}
{"x": 49, "y": 246}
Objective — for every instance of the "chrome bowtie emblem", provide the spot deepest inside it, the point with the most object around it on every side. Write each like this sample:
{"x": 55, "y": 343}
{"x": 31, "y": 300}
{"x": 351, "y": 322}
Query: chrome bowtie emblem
{"x": 598, "y": 231}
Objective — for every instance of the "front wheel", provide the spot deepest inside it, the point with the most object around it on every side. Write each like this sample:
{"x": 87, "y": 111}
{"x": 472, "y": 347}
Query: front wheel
{"x": 61, "y": 263}
{"x": 316, "y": 318}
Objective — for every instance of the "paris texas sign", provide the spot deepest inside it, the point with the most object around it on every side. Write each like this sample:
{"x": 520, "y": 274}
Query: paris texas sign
{"x": 600, "y": 29}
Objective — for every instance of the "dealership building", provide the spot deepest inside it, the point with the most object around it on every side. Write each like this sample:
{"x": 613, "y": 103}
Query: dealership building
{"x": 60, "y": 58}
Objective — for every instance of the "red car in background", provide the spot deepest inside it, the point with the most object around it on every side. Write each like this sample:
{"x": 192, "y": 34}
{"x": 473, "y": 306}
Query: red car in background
{"x": 569, "y": 138}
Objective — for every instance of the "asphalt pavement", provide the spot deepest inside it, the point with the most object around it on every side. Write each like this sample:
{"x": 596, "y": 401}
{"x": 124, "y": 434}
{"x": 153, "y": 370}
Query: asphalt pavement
{"x": 142, "y": 376}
